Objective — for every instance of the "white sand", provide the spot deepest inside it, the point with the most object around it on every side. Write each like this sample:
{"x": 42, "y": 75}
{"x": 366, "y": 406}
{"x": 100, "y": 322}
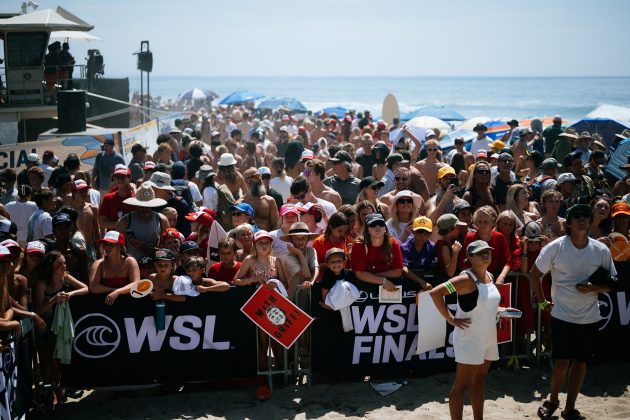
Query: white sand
{"x": 509, "y": 395}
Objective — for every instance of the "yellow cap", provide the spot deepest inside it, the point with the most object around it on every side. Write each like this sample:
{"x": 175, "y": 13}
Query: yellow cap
{"x": 497, "y": 144}
{"x": 446, "y": 170}
{"x": 423, "y": 223}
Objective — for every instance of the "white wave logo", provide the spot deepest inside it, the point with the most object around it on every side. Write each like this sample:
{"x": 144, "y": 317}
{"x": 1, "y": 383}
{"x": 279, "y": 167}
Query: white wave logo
{"x": 97, "y": 336}
{"x": 605, "y": 310}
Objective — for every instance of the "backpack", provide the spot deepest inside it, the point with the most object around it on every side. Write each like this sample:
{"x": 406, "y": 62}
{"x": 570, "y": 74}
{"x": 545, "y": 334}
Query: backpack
{"x": 536, "y": 187}
{"x": 182, "y": 191}
{"x": 226, "y": 199}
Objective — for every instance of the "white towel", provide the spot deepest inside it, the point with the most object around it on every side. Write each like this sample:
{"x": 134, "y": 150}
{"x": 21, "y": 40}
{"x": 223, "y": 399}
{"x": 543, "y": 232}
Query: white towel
{"x": 340, "y": 297}
{"x": 279, "y": 287}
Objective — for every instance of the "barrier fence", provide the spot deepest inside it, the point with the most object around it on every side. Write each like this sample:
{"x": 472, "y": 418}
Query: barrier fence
{"x": 209, "y": 338}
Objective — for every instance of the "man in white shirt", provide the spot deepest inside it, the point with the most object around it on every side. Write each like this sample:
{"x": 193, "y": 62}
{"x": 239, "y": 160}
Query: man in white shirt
{"x": 40, "y": 223}
{"x": 481, "y": 142}
{"x": 20, "y": 212}
{"x": 572, "y": 260}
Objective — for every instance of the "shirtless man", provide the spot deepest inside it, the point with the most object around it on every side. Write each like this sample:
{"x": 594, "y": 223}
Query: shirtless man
{"x": 229, "y": 176}
{"x": 402, "y": 180}
{"x": 315, "y": 172}
{"x": 430, "y": 166}
{"x": 87, "y": 220}
{"x": 265, "y": 207}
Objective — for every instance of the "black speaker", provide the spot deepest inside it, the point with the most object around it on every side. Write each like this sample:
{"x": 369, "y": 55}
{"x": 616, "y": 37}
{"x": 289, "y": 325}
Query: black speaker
{"x": 145, "y": 61}
{"x": 71, "y": 111}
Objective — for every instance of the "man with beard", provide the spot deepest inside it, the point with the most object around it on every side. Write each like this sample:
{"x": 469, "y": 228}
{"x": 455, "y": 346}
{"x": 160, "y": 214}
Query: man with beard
{"x": 402, "y": 181}
{"x": 265, "y": 208}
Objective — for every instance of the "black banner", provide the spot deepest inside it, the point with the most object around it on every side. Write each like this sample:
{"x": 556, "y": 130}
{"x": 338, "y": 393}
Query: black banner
{"x": 206, "y": 337}
{"x": 384, "y": 339}
{"x": 613, "y": 340}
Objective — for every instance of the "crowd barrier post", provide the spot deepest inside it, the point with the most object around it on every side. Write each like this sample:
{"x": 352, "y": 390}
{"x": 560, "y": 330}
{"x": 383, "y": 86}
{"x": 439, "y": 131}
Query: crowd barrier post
{"x": 514, "y": 358}
{"x": 302, "y": 364}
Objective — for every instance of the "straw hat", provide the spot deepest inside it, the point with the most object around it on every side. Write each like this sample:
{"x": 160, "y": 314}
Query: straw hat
{"x": 298, "y": 229}
{"x": 145, "y": 197}
{"x": 624, "y": 134}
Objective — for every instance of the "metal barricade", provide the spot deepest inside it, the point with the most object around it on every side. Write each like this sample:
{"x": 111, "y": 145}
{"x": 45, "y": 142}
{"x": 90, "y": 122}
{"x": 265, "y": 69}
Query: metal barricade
{"x": 303, "y": 361}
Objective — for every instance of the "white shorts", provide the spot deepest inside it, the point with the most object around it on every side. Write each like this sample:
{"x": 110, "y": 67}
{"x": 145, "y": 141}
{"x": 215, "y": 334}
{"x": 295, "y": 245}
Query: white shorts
{"x": 474, "y": 349}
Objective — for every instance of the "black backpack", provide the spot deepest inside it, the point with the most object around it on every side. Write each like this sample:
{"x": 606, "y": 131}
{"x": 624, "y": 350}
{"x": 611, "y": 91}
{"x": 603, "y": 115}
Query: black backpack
{"x": 182, "y": 191}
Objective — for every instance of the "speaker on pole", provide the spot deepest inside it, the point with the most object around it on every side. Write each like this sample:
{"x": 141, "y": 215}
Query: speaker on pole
{"x": 71, "y": 111}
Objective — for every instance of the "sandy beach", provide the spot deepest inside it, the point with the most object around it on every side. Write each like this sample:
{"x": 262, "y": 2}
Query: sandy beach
{"x": 605, "y": 395}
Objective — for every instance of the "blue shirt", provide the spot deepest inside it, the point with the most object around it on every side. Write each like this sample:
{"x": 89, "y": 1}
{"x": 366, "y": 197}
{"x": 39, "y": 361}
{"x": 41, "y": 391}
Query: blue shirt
{"x": 423, "y": 260}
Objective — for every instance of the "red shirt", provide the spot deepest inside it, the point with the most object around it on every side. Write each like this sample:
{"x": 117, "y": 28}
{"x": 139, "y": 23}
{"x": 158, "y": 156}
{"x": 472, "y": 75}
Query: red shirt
{"x": 113, "y": 207}
{"x": 500, "y": 254}
{"x": 218, "y": 272}
{"x": 321, "y": 245}
{"x": 374, "y": 259}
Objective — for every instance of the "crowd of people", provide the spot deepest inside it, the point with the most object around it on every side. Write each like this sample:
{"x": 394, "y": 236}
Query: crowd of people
{"x": 307, "y": 199}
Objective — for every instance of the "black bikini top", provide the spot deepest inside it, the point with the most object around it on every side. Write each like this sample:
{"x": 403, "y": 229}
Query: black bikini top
{"x": 468, "y": 302}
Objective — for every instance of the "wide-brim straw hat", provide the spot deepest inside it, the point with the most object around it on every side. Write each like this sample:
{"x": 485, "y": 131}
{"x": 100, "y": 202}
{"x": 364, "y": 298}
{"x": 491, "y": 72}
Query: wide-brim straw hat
{"x": 298, "y": 229}
{"x": 145, "y": 197}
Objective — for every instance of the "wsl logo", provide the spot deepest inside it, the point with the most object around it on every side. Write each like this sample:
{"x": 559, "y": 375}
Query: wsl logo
{"x": 96, "y": 336}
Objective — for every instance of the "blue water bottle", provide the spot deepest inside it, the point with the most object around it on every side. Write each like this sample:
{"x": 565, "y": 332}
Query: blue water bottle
{"x": 160, "y": 315}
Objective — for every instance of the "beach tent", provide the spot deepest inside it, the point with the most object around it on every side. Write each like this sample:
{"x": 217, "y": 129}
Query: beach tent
{"x": 241, "y": 97}
{"x": 291, "y": 104}
{"x": 339, "y": 111}
{"x": 47, "y": 19}
{"x": 441, "y": 112}
{"x": 605, "y": 127}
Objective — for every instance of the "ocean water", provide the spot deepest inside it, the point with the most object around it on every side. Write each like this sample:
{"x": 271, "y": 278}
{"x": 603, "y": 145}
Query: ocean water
{"x": 516, "y": 97}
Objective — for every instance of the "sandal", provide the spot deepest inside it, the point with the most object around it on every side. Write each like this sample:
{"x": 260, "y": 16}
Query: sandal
{"x": 572, "y": 415}
{"x": 546, "y": 410}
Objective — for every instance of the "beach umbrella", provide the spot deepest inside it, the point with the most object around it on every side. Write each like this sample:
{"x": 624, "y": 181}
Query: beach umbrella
{"x": 197, "y": 94}
{"x": 441, "y": 112}
{"x": 470, "y": 123}
{"x": 241, "y": 97}
{"x": 339, "y": 111}
{"x": 291, "y": 104}
{"x": 447, "y": 142}
{"x": 496, "y": 128}
{"x": 546, "y": 122}
{"x": 605, "y": 127}
{"x": 73, "y": 36}
{"x": 428, "y": 122}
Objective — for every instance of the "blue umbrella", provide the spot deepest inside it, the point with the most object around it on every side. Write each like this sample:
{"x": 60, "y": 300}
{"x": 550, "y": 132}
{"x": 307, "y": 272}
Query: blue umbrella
{"x": 198, "y": 95}
{"x": 605, "y": 127}
{"x": 337, "y": 110}
{"x": 448, "y": 141}
{"x": 618, "y": 158}
{"x": 443, "y": 113}
{"x": 241, "y": 97}
{"x": 289, "y": 103}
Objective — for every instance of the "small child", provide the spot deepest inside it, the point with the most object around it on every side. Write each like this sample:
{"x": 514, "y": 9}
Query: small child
{"x": 228, "y": 267}
{"x": 336, "y": 260}
{"x": 195, "y": 268}
{"x": 147, "y": 267}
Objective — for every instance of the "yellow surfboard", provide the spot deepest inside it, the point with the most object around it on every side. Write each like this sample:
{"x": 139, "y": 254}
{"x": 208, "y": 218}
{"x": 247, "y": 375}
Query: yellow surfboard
{"x": 390, "y": 109}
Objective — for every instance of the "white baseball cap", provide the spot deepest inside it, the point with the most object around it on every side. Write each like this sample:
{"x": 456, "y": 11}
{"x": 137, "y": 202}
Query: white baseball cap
{"x": 184, "y": 286}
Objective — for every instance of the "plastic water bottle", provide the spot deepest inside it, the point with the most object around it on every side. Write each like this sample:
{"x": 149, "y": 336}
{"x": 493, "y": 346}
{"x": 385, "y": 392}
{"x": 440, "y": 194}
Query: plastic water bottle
{"x": 160, "y": 315}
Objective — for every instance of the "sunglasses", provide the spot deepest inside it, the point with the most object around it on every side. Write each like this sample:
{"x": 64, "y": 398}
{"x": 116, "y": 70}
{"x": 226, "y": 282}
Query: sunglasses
{"x": 375, "y": 187}
{"x": 432, "y": 150}
{"x": 237, "y": 214}
{"x": 405, "y": 201}
{"x": 401, "y": 178}
{"x": 266, "y": 177}
{"x": 581, "y": 215}
{"x": 377, "y": 224}
{"x": 507, "y": 161}
{"x": 483, "y": 172}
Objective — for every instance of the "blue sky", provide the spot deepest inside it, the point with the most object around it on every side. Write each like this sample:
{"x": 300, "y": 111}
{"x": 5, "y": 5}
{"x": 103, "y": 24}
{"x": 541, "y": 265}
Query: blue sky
{"x": 358, "y": 37}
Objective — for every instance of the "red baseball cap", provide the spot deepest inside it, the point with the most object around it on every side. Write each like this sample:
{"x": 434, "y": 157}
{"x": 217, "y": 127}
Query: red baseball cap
{"x": 113, "y": 237}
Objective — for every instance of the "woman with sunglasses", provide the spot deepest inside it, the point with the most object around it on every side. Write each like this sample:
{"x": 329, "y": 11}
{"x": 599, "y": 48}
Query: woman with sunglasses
{"x": 475, "y": 334}
{"x": 404, "y": 210}
{"x": 478, "y": 191}
{"x": 369, "y": 188}
{"x": 376, "y": 257}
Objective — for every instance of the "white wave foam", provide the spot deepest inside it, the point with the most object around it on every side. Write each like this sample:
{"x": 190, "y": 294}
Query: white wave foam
{"x": 615, "y": 112}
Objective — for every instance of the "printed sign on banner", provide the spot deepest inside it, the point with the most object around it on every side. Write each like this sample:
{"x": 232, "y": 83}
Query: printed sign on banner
{"x": 504, "y": 327}
{"x": 276, "y": 315}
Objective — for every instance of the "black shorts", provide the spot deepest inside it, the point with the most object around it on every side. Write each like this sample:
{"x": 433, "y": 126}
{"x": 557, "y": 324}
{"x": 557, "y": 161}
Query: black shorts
{"x": 573, "y": 341}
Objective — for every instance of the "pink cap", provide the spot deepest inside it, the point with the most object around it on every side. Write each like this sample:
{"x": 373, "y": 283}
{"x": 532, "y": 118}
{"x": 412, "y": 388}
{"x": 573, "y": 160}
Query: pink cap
{"x": 262, "y": 234}
{"x": 79, "y": 184}
{"x": 289, "y": 208}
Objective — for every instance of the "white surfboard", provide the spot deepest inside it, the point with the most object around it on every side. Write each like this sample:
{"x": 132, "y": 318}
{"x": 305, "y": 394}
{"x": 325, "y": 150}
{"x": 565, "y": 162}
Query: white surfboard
{"x": 390, "y": 109}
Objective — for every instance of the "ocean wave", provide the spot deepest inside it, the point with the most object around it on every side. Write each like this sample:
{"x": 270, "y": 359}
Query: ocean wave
{"x": 615, "y": 112}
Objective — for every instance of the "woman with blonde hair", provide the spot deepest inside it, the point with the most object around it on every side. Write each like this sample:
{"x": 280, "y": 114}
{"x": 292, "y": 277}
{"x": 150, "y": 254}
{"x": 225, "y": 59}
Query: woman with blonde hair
{"x": 507, "y": 224}
{"x": 404, "y": 210}
{"x": 518, "y": 203}
{"x": 363, "y": 208}
{"x": 368, "y": 190}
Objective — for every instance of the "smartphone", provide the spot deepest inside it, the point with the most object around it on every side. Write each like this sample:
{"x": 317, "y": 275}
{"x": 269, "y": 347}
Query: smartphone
{"x": 454, "y": 181}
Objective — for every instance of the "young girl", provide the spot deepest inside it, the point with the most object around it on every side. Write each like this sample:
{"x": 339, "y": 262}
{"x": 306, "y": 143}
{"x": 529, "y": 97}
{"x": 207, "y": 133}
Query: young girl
{"x": 195, "y": 268}
{"x": 164, "y": 260}
{"x": 244, "y": 240}
{"x": 258, "y": 268}
{"x": 54, "y": 285}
